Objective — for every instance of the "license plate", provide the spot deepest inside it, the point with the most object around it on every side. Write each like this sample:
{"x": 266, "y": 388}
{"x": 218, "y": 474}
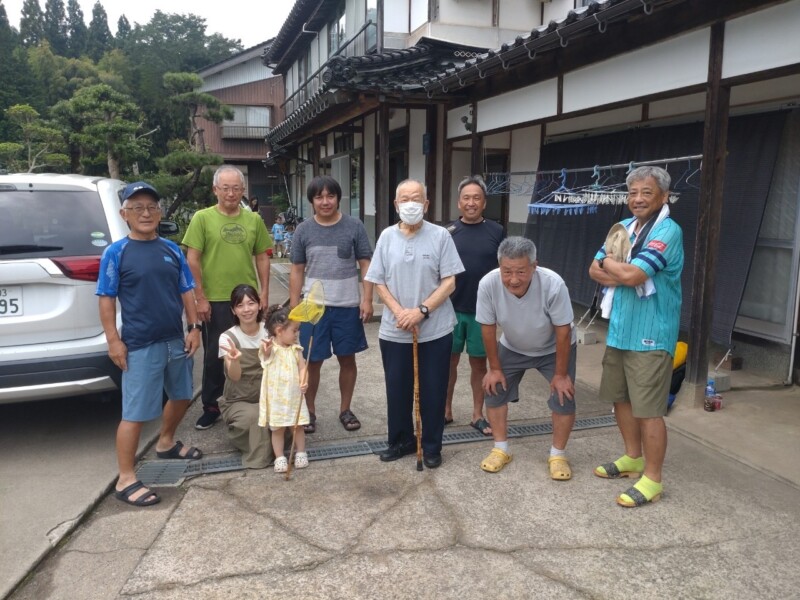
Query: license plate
{"x": 11, "y": 301}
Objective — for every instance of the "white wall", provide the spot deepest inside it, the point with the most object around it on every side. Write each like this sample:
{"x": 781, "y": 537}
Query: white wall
{"x": 395, "y": 16}
{"x": 519, "y": 14}
{"x": 419, "y": 13}
{"x": 763, "y": 40}
{"x": 455, "y": 128}
{"x": 466, "y": 12}
{"x": 530, "y": 103}
{"x": 628, "y": 114}
{"x": 416, "y": 159}
{"x": 676, "y": 63}
{"x": 398, "y": 118}
{"x": 525, "y": 151}
{"x": 557, "y": 9}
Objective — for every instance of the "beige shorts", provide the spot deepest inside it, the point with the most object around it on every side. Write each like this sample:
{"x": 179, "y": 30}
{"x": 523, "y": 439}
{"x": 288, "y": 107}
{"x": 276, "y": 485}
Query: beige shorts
{"x": 639, "y": 378}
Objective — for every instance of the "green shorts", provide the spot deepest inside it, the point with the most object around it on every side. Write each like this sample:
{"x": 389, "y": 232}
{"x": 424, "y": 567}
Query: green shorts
{"x": 639, "y": 378}
{"x": 468, "y": 332}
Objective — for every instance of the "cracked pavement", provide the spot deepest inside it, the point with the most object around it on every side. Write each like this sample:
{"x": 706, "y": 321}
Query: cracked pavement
{"x": 359, "y": 528}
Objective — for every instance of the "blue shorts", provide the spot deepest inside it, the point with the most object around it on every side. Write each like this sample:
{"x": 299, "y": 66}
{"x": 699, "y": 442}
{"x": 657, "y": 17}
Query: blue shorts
{"x": 163, "y": 366}
{"x": 514, "y": 367}
{"x": 339, "y": 331}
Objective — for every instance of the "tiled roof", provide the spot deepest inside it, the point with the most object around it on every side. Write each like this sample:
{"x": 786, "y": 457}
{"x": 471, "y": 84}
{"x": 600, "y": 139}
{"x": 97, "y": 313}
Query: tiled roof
{"x": 401, "y": 71}
{"x": 579, "y": 23}
{"x": 397, "y": 72}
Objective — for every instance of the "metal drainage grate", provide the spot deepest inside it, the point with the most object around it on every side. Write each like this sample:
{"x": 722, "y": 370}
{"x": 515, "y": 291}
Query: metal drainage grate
{"x": 173, "y": 472}
{"x": 339, "y": 451}
{"x": 592, "y": 422}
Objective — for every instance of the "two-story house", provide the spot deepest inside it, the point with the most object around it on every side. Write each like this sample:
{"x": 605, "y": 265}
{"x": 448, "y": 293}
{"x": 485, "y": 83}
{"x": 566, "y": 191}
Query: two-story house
{"x": 554, "y": 95}
{"x": 256, "y": 97}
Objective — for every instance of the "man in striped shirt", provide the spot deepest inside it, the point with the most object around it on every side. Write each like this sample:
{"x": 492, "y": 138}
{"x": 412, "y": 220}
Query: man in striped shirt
{"x": 642, "y": 332}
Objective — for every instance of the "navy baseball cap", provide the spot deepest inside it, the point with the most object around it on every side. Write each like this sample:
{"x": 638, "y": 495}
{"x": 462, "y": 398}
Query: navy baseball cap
{"x": 137, "y": 187}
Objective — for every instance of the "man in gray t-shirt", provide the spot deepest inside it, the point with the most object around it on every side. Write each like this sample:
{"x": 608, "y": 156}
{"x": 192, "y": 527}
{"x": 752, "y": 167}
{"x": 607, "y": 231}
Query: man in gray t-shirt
{"x": 533, "y": 307}
{"x": 331, "y": 248}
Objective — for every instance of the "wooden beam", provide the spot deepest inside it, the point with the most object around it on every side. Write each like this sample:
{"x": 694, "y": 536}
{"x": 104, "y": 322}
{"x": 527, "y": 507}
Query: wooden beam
{"x": 447, "y": 174}
{"x": 476, "y": 158}
{"x": 383, "y": 195}
{"x": 431, "y": 130}
{"x": 315, "y": 158}
{"x": 709, "y": 214}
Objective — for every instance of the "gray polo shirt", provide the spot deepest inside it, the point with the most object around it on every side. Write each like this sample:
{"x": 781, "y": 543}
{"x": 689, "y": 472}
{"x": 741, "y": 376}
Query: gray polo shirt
{"x": 527, "y": 322}
{"x": 412, "y": 268}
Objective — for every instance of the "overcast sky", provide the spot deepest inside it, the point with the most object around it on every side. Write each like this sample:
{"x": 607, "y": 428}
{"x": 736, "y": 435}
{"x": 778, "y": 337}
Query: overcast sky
{"x": 251, "y": 22}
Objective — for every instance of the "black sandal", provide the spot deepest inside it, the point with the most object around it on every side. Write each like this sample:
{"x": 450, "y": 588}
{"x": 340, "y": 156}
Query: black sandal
{"x": 349, "y": 421}
{"x": 124, "y": 495}
{"x": 312, "y": 426}
{"x": 175, "y": 453}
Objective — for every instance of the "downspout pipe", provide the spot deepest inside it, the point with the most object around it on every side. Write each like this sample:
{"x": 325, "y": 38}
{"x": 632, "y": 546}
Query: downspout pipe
{"x": 789, "y": 378}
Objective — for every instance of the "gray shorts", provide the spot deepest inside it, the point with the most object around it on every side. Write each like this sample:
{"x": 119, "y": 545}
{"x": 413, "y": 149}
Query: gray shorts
{"x": 514, "y": 367}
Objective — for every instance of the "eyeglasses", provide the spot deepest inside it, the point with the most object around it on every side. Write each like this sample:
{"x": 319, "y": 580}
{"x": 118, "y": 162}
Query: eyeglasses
{"x": 227, "y": 190}
{"x": 140, "y": 210}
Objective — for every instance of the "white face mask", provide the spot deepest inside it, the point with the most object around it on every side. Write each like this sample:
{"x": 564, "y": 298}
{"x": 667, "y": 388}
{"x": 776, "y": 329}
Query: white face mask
{"x": 410, "y": 212}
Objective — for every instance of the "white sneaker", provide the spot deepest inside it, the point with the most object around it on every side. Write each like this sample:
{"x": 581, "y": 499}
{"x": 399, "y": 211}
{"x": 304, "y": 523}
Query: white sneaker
{"x": 281, "y": 464}
{"x": 300, "y": 460}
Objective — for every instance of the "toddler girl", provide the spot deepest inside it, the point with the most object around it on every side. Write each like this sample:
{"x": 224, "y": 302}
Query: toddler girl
{"x": 283, "y": 386}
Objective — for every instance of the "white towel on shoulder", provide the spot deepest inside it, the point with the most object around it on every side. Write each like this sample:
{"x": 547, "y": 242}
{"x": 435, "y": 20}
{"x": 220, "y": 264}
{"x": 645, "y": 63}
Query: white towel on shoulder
{"x": 644, "y": 290}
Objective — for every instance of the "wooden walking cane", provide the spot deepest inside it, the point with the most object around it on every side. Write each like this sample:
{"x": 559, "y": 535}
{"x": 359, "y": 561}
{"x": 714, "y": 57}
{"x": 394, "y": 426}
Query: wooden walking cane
{"x": 417, "y": 418}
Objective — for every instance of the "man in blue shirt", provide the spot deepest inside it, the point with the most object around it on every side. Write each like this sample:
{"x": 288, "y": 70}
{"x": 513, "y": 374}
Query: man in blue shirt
{"x": 152, "y": 280}
{"x": 642, "y": 332}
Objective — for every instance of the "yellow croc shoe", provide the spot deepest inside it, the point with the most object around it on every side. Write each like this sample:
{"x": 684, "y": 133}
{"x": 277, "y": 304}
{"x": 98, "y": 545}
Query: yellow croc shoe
{"x": 559, "y": 468}
{"x": 496, "y": 460}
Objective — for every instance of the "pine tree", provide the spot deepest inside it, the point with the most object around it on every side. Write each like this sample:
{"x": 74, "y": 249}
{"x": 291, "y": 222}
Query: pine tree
{"x": 99, "y": 40}
{"x": 76, "y": 28}
{"x": 123, "y": 31}
{"x": 31, "y": 24}
{"x": 55, "y": 26}
{"x": 8, "y": 95}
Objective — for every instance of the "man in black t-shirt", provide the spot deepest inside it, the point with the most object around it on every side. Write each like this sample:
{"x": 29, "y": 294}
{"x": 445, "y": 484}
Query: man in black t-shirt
{"x": 476, "y": 240}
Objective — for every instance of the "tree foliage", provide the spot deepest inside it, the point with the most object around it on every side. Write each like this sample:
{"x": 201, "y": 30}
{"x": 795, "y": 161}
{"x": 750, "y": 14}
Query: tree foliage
{"x": 109, "y": 123}
{"x": 55, "y": 26}
{"x": 99, "y": 39}
{"x": 75, "y": 98}
{"x": 31, "y": 23}
{"x": 77, "y": 30}
{"x": 40, "y": 145}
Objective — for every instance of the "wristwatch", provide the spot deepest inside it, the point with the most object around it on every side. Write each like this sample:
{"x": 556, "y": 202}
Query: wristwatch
{"x": 191, "y": 326}
{"x": 424, "y": 310}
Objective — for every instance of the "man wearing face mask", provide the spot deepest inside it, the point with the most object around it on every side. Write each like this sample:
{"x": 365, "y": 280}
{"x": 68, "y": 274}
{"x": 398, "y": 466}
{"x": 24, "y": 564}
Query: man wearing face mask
{"x": 413, "y": 269}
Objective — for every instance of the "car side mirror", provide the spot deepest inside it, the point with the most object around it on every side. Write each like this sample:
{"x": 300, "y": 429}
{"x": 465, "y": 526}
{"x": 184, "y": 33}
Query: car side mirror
{"x": 168, "y": 228}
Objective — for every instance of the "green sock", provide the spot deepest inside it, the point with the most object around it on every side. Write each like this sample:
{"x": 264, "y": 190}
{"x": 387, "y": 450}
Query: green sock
{"x": 626, "y": 463}
{"x": 648, "y": 487}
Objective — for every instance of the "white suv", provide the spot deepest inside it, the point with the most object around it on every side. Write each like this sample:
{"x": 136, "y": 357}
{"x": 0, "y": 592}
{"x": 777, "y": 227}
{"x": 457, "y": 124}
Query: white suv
{"x": 53, "y": 229}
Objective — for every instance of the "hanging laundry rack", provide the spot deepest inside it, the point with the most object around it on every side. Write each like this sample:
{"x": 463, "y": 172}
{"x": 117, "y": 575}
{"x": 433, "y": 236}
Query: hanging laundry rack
{"x": 586, "y": 199}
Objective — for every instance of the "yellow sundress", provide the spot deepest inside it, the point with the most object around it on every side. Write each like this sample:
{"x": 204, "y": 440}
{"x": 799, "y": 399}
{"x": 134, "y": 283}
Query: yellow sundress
{"x": 280, "y": 388}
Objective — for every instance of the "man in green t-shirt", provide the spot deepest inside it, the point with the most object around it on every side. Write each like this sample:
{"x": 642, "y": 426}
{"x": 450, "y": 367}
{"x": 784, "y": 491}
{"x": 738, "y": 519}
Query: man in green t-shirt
{"x": 222, "y": 241}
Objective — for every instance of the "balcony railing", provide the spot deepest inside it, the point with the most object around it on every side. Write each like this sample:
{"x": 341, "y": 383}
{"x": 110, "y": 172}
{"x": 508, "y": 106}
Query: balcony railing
{"x": 244, "y": 132}
{"x": 360, "y": 44}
